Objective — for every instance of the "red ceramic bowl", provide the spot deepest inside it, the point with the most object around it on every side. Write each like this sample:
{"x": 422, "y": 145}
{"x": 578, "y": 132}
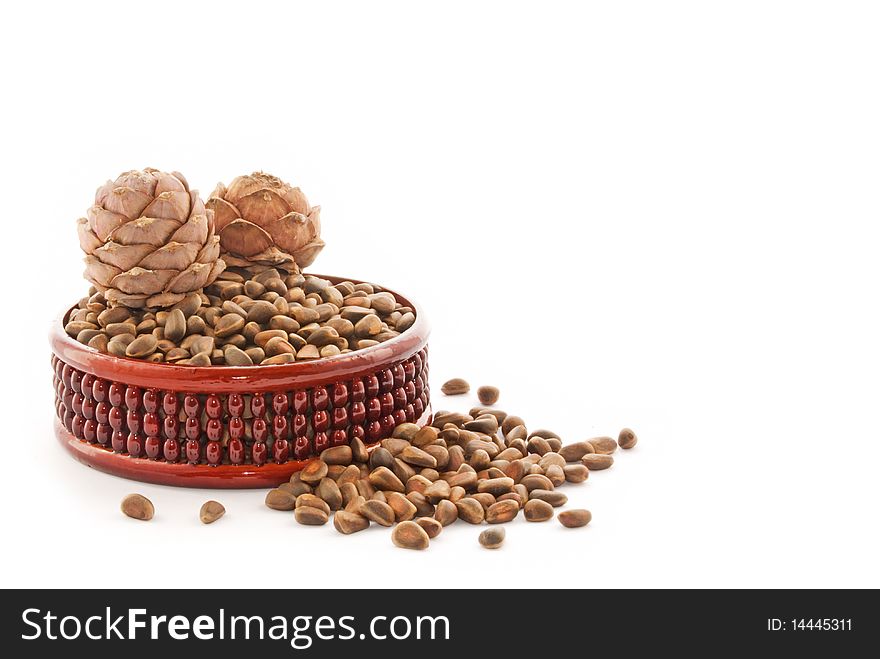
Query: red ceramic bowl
{"x": 232, "y": 426}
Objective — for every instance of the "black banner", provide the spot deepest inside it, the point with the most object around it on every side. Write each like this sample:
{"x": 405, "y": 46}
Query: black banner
{"x": 428, "y": 623}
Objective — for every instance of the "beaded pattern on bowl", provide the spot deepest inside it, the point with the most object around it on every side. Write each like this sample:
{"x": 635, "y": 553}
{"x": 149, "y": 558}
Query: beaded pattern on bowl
{"x": 238, "y": 428}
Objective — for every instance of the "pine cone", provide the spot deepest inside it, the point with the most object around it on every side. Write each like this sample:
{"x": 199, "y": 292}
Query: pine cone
{"x": 149, "y": 240}
{"x": 264, "y": 222}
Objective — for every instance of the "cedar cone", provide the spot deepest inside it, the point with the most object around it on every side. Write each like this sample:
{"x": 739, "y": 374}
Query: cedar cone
{"x": 264, "y": 222}
{"x": 149, "y": 240}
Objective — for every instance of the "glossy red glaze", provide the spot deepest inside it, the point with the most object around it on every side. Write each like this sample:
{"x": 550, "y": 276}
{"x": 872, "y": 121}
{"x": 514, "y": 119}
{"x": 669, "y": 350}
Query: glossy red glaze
{"x": 238, "y": 427}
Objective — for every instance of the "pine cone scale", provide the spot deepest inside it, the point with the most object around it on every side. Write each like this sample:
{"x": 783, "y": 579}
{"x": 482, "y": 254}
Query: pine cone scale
{"x": 195, "y": 229}
{"x": 122, "y": 256}
{"x": 196, "y": 276}
{"x": 261, "y": 207}
{"x": 88, "y": 241}
{"x": 126, "y": 202}
{"x": 170, "y": 206}
{"x": 172, "y": 256}
{"x": 245, "y": 238}
{"x": 139, "y": 281}
{"x": 224, "y": 213}
{"x": 152, "y": 230}
{"x": 99, "y": 273}
{"x": 104, "y": 222}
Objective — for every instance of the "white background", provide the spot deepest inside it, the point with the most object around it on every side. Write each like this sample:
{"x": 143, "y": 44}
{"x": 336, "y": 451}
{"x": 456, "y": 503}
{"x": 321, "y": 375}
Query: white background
{"x": 661, "y": 215}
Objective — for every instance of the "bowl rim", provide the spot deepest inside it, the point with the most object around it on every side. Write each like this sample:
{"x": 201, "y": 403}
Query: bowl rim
{"x": 240, "y": 379}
